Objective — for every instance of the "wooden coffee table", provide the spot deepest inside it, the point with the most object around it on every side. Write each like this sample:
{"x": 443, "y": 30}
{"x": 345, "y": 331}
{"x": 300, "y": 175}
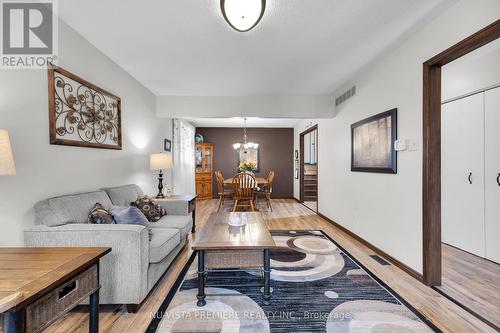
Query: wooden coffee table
{"x": 221, "y": 246}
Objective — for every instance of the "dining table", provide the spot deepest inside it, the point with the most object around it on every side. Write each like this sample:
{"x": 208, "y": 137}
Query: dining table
{"x": 260, "y": 181}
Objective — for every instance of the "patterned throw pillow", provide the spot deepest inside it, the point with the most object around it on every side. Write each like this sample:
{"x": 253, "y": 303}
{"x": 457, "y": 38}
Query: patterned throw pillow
{"x": 99, "y": 215}
{"x": 151, "y": 209}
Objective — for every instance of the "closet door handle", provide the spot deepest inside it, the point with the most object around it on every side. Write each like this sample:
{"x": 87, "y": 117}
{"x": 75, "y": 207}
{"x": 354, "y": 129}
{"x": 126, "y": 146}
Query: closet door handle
{"x": 498, "y": 179}
{"x": 470, "y": 178}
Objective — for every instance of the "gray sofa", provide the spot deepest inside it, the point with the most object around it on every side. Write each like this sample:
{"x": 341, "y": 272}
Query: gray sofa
{"x": 135, "y": 264}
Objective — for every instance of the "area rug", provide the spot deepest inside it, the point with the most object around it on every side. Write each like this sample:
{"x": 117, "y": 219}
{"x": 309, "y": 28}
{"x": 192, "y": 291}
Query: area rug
{"x": 317, "y": 287}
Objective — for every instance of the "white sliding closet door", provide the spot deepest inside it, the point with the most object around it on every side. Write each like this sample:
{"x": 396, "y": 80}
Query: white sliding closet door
{"x": 492, "y": 173}
{"x": 462, "y": 174}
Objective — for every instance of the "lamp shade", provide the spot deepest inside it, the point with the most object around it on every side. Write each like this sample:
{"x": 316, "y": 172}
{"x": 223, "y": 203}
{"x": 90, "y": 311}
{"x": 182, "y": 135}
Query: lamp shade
{"x": 161, "y": 161}
{"x": 7, "y": 166}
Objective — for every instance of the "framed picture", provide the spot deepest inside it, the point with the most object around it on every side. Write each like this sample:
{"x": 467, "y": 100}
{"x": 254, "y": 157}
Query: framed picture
{"x": 249, "y": 155}
{"x": 167, "y": 145}
{"x": 82, "y": 114}
{"x": 296, "y": 154}
{"x": 296, "y": 168}
{"x": 372, "y": 143}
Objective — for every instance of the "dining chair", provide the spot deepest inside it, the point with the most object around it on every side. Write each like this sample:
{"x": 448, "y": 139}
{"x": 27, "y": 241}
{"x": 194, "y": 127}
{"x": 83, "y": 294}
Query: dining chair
{"x": 224, "y": 193}
{"x": 267, "y": 190}
{"x": 244, "y": 191}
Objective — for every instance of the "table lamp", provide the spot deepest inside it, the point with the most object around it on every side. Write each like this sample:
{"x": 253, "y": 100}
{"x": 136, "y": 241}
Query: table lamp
{"x": 7, "y": 166}
{"x": 161, "y": 161}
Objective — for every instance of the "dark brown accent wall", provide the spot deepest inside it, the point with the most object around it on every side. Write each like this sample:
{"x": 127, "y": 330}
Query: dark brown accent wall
{"x": 275, "y": 153}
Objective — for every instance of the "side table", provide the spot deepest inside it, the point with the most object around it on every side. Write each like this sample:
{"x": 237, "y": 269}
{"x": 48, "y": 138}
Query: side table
{"x": 40, "y": 284}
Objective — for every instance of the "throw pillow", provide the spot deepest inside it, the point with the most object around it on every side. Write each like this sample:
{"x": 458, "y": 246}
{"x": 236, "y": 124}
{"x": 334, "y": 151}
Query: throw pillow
{"x": 100, "y": 215}
{"x": 130, "y": 215}
{"x": 150, "y": 208}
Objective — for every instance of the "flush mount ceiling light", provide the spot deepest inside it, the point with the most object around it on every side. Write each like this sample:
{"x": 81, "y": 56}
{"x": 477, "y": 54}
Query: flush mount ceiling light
{"x": 243, "y": 15}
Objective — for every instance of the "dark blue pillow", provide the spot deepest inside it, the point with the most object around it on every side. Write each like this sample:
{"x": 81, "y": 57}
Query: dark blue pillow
{"x": 130, "y": 215}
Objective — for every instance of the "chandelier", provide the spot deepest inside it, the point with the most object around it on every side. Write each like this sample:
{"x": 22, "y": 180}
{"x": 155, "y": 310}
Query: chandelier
{"x": 245, "y": 144}
{"x": 242, "y": 15}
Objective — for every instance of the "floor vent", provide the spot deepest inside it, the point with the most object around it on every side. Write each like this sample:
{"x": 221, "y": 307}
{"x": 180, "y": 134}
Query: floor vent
{"x": 379, "y": 260}
{"x": 345, "y": 96}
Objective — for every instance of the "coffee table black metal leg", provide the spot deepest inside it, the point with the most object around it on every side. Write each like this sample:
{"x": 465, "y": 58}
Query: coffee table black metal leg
{"x": 267, "y": 277}
{"x": 14, "y": 321}
{"x": 201, "y": 279}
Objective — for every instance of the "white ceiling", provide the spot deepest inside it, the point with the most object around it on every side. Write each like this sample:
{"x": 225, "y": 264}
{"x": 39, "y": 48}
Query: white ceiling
{"x": 301, "y": 47}
{"x": 238, "y": 122}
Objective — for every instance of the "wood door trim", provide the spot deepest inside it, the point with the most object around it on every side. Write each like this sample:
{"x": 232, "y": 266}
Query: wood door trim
{"x": 431, "y": 176}
{"x": 301, "y": 162}
{"x": 309, "y": 130}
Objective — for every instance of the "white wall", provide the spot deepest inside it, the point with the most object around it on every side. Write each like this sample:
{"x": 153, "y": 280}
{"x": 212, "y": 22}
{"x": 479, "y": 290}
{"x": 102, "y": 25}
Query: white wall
{"x": 477, "y": 70}
{"x": 384, "y": 209}
{"x": 243, "y": 106}
{"x": 45, "y": 170}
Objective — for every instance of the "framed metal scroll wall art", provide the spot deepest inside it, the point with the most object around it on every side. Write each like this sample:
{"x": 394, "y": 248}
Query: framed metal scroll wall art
{"x": 82, "y": 114}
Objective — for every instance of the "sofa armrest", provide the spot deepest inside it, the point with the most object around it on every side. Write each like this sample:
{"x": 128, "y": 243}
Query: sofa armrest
{"x": 175, "y": 206}
{"x": 123, "y": 272}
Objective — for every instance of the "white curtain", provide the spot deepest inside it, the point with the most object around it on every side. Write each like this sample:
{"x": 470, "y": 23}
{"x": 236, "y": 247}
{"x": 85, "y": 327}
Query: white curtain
{"x": 183, "y": 155}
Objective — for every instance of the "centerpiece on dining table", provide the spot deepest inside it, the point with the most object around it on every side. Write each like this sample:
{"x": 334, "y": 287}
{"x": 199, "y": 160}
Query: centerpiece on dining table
{"x": 247, "y": 167}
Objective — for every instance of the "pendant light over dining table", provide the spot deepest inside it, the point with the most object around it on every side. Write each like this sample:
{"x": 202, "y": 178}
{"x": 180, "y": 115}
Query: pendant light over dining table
{"x": 245, "y": 145}
{"x": 243, "y": 15}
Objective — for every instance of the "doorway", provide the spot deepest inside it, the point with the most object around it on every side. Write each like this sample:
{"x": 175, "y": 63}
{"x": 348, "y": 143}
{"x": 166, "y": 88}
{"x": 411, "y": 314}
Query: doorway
{"x": 470, "y": 181}
{"x": 431, "y": 186}
{"x": 309, "y": 168}
{"x": 455, "y": 169}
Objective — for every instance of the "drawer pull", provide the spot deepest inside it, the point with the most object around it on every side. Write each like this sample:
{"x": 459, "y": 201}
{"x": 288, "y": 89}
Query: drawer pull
{"x": 65, "y": 291}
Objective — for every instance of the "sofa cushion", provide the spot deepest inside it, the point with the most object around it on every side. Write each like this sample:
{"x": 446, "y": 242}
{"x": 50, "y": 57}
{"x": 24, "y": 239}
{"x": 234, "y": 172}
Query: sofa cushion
{"x": 72, "y": 208}
{"x": 162, "y": 243}
{"x": 150, "y": 208}
{"x": 124, "y": 195}
{"x": 180, "y": 222}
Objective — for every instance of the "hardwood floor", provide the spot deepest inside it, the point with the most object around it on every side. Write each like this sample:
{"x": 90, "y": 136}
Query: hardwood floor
{"x": 472, "y": 281}
{"x": 311, "y": 204}
{"x": 287, "y": 214}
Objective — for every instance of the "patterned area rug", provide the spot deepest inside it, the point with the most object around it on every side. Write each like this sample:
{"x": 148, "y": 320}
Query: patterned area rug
{"x": 317, "y": 287}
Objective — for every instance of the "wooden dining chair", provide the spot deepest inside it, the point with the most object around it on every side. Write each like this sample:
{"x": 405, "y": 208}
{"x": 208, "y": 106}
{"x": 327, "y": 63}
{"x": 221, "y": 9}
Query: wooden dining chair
{"x": 244, "y": 191}
{"x": 224, "y": 193}
{"x": 267, "y": 190}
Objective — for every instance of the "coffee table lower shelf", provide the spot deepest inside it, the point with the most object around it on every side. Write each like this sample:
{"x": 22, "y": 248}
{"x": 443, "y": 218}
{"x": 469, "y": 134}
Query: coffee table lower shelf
{"x": 231, "y": 259}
